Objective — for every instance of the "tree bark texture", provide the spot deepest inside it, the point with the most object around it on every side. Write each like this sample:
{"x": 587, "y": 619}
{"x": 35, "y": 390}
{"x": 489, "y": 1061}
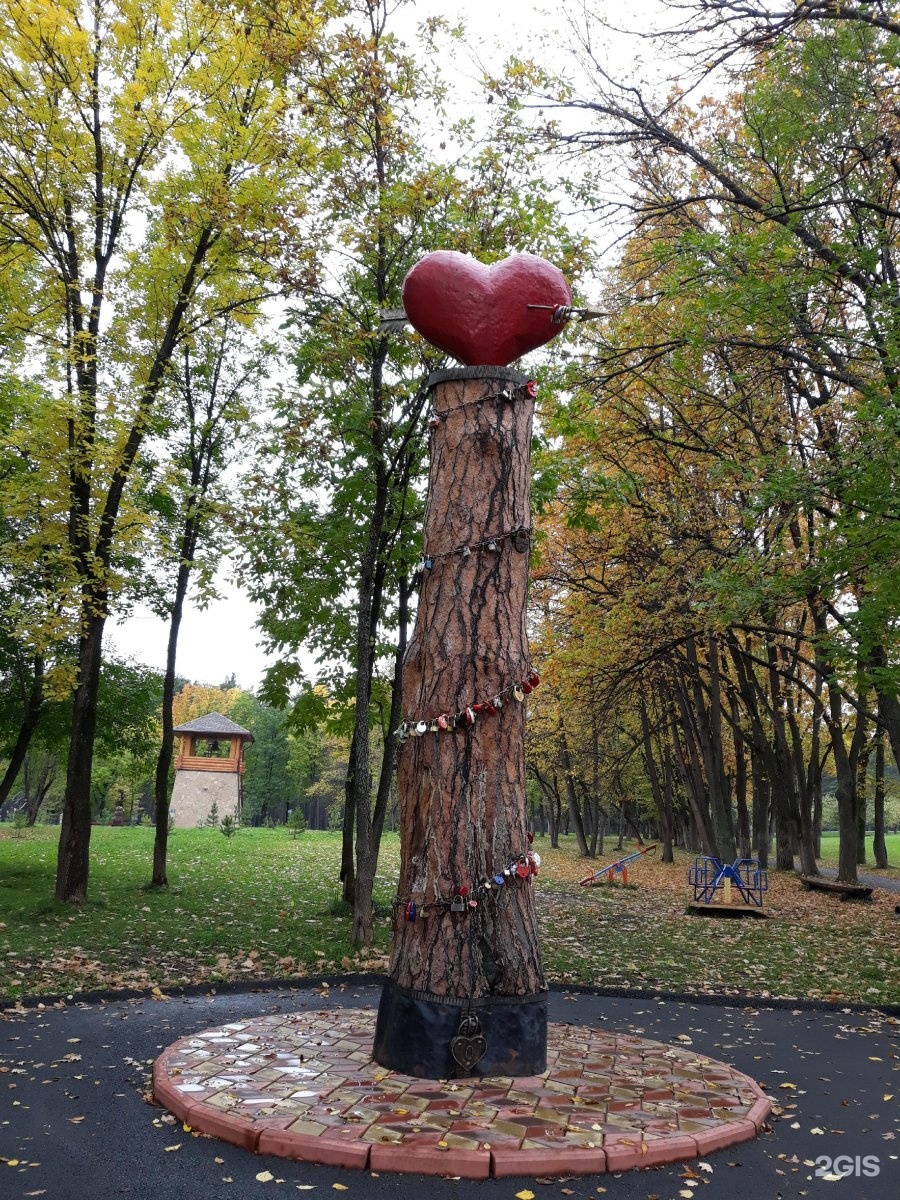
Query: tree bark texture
{"x": 462, "y": 790}
{"x": 73, "y": 854}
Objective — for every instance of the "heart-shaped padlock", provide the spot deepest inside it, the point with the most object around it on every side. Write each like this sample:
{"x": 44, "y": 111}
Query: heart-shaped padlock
{"x": 469, "y": 1046}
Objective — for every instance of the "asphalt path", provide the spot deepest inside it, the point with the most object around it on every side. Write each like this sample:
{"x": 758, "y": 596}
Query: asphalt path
{"x": 76, "y": 1124}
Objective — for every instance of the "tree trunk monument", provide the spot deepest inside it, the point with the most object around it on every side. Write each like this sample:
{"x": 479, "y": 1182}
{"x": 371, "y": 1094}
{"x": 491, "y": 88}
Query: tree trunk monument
{"x": 466, "y": 992}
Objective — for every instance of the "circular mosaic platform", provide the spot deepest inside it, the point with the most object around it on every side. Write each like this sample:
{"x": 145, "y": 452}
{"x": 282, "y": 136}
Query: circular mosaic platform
{"x": 305, "y": 1086}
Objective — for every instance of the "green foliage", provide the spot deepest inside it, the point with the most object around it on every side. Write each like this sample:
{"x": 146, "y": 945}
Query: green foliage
{"x": 270, "y": 785}
{"x": 296, "y": 823}
{"x": 228, "y": 826}
{"x": 212, "y": 817}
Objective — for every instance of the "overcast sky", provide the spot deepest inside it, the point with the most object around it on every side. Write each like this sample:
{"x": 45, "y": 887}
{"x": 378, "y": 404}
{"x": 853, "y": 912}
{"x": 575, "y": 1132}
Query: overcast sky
{"x": 222, "y": 640}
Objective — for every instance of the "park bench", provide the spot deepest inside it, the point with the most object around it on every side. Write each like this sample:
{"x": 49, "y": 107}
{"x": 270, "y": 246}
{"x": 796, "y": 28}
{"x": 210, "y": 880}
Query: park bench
{"x": 847, "y": 891}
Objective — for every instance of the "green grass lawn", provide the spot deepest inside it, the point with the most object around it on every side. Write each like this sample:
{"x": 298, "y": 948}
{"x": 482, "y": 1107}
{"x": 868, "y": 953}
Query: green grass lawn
{"x": 892, "y": 841}
{"x": 262, "y": 905}
{"x": 257, "y": 904}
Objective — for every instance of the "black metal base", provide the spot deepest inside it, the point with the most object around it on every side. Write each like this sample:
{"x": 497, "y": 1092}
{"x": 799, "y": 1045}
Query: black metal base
{"x": 419, "y": 1034}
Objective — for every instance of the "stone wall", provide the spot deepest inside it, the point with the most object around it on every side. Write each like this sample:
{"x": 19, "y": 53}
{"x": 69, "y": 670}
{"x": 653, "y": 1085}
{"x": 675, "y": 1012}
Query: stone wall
{"x": 194, "y": 792}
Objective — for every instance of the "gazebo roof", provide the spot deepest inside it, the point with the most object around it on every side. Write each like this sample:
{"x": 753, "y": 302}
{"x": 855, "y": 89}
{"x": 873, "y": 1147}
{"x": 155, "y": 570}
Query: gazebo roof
{"x": 216, "y": 725}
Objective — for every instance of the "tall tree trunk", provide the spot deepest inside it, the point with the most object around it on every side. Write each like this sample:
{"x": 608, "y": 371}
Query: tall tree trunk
{"x": 386, "y": 775}
{"x": 879, "y": 845}
{"x": 669, "y": 831}
{"x": 740, "y": 779}
{"x": 37, "y": 785}
{"x": 73, "y": 855}
{"x": 888, "y": 702}
{"x": 691, "y": 773}
{"x": 565, "y": 759}
{"x": 760, "y": 810}
{"x": 462, "y": 789}
{"x": 34, "y": 702}
{"x": 164, "y": 758}
{"x": 862, "y": 788}
{"x": 348, "y": 860}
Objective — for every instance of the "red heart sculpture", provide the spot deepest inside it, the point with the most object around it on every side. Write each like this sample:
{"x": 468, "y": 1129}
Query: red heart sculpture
{"x": 479, "y": 313}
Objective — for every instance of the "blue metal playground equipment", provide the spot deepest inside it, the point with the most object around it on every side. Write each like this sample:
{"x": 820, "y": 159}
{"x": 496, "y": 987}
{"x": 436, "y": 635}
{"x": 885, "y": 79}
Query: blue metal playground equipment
{"x": 709, "y": 876}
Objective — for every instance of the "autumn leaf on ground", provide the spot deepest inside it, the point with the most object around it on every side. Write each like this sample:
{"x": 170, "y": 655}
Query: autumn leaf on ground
{"x": 169, "y": 1149}
{"x": 265, "y": 1177}
{"x": 525, "y": 1195}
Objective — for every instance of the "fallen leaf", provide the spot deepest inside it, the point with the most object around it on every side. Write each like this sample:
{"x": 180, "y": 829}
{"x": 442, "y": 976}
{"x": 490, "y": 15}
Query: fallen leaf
{"x": 265, "y": 1177}
{"x": 169, "y": 1149}
{"x": 525, "y": 1195}
{"x": 817, "y": 1130}
{"x": 75, "y": 1120}
{"x": 704, "y": 1166}
{"x": 339, "y": 1187}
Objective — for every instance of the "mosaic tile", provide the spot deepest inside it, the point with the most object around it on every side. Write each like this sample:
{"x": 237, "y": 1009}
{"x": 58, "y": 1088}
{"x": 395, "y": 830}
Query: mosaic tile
{"x": 305, "y": 1086}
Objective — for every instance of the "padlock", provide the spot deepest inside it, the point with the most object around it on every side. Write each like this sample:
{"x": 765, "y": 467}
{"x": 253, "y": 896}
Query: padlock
{"x": 434, "y": 422}
{"x": 428, "y": 563}
{"x": 497, "y": 702}
{"x": 519, "y": 692}
{"x": 458, "y": 904}
{"x": 521, "y": 540}
{"x": 533, "y": 678}
{"x": 411, "y": 912}
{"x": 433, "y": 727}
{"x": 526, "y": 687}
{"x": 500, "y": 880}
{"x": 470, "y": 716}
{"x": 466, "y": 551}
{"x": 492, "y": 545}
{"x": 421, "y": 727}
{"x": 443, "y": 721}
{"x": 530, "y": 389}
